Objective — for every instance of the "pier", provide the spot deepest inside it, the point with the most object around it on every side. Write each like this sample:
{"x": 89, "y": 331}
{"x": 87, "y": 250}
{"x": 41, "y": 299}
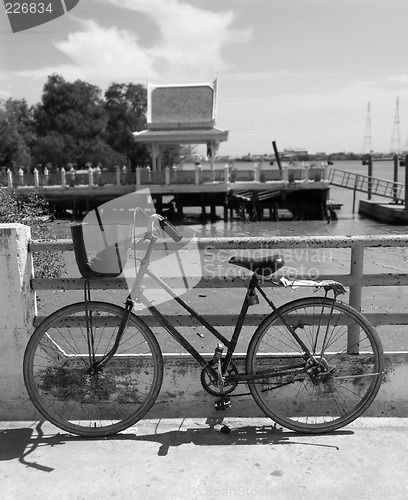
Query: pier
{"x": 395, "y": 211}
{"x": 301, "y": 191}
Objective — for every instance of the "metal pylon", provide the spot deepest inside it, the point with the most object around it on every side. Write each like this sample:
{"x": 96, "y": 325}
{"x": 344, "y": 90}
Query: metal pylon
{"x": 395, "y": 147}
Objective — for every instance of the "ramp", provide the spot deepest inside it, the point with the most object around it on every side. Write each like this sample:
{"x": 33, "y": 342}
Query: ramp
{"x": 366, "y": 184}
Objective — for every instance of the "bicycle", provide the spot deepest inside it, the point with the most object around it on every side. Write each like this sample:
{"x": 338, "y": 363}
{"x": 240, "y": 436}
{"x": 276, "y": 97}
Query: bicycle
{"x": 313, "y": 365}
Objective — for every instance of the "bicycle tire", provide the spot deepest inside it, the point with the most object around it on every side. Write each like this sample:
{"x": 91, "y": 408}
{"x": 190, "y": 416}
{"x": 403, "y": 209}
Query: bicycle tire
{"x": 294, "y": 401}
{"x": 59, "y": 381}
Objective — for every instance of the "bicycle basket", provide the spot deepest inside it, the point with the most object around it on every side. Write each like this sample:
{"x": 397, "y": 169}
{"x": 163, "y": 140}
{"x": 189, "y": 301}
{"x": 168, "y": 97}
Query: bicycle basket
{"x": 101, "y": 251}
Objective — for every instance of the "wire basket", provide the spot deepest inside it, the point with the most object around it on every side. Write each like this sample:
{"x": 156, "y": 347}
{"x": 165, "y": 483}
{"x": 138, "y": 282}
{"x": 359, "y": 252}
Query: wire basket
{"x": 101, "y": 251}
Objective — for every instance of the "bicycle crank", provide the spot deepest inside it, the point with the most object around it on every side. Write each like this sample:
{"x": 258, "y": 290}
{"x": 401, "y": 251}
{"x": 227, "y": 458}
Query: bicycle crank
{"x": 211, "y": 386}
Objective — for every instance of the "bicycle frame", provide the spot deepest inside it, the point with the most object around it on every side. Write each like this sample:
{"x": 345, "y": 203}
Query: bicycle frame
{"x": 136, "y": 295}
{"x": 231, "y": 343}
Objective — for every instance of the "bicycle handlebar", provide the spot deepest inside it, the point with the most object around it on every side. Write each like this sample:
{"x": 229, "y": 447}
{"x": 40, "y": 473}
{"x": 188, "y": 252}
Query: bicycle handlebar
{"x": 161, "y": 222}
{"x": 170, "y": 229}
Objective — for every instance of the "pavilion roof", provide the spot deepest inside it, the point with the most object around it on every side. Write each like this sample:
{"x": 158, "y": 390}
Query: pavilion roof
{"x": 187, "y": 136}
{"x": 180, "y": 114}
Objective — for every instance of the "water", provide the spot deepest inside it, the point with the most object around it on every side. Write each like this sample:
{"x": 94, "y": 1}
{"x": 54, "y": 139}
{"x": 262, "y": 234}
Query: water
{"x": 348, "y": 223}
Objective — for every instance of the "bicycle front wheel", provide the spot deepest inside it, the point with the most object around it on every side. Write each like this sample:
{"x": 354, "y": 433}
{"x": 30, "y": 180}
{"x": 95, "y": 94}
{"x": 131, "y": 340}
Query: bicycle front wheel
{"x": 72, "y": 395}
{"x": 338, "y": 388}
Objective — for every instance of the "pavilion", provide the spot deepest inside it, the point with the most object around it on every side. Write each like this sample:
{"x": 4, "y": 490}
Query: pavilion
{"x": 181, "y": 114}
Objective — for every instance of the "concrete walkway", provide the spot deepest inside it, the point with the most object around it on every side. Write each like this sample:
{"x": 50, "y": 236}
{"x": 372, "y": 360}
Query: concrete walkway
{"x": 191, "y": 459}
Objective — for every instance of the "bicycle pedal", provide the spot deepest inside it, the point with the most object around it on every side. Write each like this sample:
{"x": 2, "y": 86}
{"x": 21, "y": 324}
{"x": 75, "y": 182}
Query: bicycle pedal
{"x": 222, "y": 404}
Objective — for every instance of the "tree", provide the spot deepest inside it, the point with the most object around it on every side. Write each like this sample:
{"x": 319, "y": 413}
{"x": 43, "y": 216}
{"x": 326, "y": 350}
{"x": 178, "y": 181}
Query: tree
{"x": 71, "y": 125}
{"x": 17, "y": 133}
{"x": 126, "y": 105}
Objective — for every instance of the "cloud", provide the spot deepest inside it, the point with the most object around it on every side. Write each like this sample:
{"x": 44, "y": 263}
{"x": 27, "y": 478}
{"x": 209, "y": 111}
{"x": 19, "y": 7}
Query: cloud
{"x": 4, "y": 93}
{"x": 192, "y": 38}
{"x": 190, "y": 46}
{"x": 258, "y": 76}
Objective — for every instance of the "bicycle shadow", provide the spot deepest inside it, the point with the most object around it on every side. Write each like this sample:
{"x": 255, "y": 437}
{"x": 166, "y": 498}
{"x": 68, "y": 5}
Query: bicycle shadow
{"x": 19, "y": 443}
{"x": 213, "y": 435}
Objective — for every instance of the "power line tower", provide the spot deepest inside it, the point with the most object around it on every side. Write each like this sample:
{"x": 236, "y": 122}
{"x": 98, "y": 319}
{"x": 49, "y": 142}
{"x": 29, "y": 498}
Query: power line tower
{"x": 395, "y": 147}
{"x": 368, "y": 140}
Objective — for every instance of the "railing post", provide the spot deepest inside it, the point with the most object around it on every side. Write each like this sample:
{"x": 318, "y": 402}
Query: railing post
{"x": 20, "y": 177}
{"x": 326, "y": 171}
{"x": 63, "y": 178}
{"x": 395, "y": 192}
{"x": 356, "y": 274}
{"x": 71, "y": 176}
{"x": 306, "y": 178}
{"x": 354, "y": 192}
{"x": 370, "y": 176}
{"x": 98, "y": 175}
{"x": 226, "y": 173}
{"x": 285, "y": 173}
{"x": 138, "y": 176}
{"x": 45, "y": 176}
{"x": 9, "y": 178}
{"x": 17, "y": 312}
{"x": 197, "y": 174}
{"x": 117, "y": 169}
{"x": 36, "y": 179}
{"x": 167, "y": 175}
{"x": 256, "y": 172}
{"x": 90, "y": 176}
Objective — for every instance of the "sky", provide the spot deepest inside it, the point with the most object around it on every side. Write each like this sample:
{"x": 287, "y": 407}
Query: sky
{"x": 298, "y": 72}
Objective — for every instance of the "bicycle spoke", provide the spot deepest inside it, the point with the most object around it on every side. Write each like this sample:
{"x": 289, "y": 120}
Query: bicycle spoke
{"x": 337, "y": 386}
{"x": 71, "y": 391}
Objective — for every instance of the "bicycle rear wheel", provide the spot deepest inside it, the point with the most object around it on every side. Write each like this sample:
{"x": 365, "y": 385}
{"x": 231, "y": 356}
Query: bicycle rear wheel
{"x": 61, "y": 383}
{"x": 337, "y": 391}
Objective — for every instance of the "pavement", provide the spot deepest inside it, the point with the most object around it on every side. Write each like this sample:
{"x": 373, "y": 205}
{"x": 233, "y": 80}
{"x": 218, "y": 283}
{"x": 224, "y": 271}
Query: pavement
{"x": 192, "y": 459}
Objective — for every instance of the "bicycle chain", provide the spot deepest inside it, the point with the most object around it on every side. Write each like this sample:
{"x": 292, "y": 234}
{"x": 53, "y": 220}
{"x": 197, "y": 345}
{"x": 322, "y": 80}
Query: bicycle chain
{"x": 231, "y": 395}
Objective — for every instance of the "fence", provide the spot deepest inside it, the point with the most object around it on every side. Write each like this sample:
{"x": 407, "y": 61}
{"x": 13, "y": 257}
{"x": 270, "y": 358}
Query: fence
{"x": 18, "y": 314}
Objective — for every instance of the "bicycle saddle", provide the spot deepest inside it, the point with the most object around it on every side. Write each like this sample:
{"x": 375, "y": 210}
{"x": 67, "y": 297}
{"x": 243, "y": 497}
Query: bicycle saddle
{"x": 264, "y": 266}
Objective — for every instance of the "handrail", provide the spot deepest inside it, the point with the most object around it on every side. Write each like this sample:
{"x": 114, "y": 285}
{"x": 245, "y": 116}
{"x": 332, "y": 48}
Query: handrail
{"x": 366, "y": 184}
{"x": 357, "y": 279}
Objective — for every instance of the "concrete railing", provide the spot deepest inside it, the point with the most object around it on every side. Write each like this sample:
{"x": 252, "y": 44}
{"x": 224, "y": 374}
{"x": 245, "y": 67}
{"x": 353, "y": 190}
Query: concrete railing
{"x": 95, "y": 177}
{"x": 356, "y": 279}
{"x": 18, "y": 316}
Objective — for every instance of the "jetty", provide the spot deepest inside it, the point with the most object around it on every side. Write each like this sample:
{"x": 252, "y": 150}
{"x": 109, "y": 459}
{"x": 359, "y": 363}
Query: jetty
{"x": 303, "y": 191}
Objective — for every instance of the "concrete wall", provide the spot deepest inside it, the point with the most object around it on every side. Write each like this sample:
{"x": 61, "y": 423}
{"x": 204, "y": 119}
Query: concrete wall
{"x": 181, "y": 394}
{"x": 17, "y": 310}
